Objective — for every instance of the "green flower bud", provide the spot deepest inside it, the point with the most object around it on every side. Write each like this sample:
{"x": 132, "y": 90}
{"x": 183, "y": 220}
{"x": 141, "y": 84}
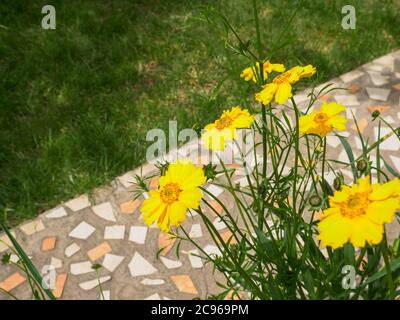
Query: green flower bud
{"x": 375, "y": 114}
{"x": 362, "y": 165}
{"x": 315, "y": 200}
{"x": 337, "y": 183}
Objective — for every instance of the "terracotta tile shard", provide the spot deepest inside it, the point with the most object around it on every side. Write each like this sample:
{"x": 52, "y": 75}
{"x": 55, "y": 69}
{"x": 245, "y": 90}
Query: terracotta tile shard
{"x": 362, "y": 124}
{"x": 99, "y": 251}
{"x": 379, "y": 108}
{"x": 184, "y": 284}
{"x": 353, "y": 88}
{"x": 232, "y": 295}
{"x": 12, "y": 282}
{"x": 216, "y": 206}
{"x": 154, "y": 183}
{"x": 130, "y": 206}
{"x": 60, "y": 284}
{"x": 165, "y": 242}
{"x": 397, "y": 87}
{"x": 226, "y": 235}
{"x": 49, "y": 243}
{"x": 234, "y": 166}
{"x": 324, "y": 98}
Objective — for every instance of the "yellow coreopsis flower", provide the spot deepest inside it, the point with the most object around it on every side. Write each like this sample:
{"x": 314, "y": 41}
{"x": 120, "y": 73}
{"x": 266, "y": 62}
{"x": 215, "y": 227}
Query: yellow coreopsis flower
{"x": 281, "y": 87}
{"x": 358, "y": 213}
{"x": 249, "y": 73}
{"x": 223, "y": 129}
{"x": 323, "y": 121}
{"x": 178, "y": 191}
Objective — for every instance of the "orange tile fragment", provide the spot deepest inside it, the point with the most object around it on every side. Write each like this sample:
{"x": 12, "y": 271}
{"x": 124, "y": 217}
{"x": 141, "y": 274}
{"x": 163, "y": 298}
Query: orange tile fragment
{"x": 99, "y": 251}
{"x": 60, "y": 284}
{"x": 184, "y": 283}
{"x": 12, "y": 282}
{"x": 130, "y": 206}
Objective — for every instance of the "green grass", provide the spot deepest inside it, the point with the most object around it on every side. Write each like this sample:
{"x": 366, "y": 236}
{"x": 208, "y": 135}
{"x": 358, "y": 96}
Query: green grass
{"x": 76, "y": 102}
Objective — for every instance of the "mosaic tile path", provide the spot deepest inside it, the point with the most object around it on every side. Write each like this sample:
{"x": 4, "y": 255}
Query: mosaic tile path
{"x": 106, "y": 229}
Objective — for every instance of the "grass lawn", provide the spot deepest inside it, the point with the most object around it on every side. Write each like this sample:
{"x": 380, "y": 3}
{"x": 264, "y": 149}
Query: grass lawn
{"x": 76, "y": 102}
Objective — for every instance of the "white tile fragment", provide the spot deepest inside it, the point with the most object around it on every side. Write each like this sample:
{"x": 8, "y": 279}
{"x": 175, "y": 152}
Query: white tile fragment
{"x": 116, "y": 232}
{"x": 112, "y": 261}
{"x": 56, "y": 213}
{"x": 82, "y": 231}
{"x": 171, "y": 264}
{"x": 89, "y": 285}
{"x": 139, "y": 266}
{"x": 138, "y": 234}
{"x": 71, "y": 250}
{"x": 78, "y": 203}
{"x": 105, "y": 211}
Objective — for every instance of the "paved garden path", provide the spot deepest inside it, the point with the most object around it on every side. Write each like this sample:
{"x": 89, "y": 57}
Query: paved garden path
{"x": 106, "y": 228}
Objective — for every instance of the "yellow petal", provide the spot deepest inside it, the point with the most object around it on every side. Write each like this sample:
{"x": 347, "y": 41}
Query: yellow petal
{"x": 191, "y": 197}
{"x": 283, "y": 93}
{"x": 363, "y": 230}
{"x": 332, "y": 108}
{"x": 386, "y": 190}
{"x": 266, "y": 95}
{"x": 334, "y": 230}
{"x": 383, "y": 211}
{"x": 338, "y": 122}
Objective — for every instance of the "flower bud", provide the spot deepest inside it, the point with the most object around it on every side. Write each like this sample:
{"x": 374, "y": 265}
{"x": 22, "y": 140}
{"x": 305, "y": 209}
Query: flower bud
{"x": 315, "y": 200}
{"x": 375, "y": 114}
{"x": 361, "y": 165}
{"x": 337, "y": 183}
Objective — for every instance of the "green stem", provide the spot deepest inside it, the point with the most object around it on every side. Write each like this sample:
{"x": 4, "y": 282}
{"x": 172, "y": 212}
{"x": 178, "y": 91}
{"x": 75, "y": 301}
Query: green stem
{"x": 259, "y": 46}
{"x": 388, "y": 268}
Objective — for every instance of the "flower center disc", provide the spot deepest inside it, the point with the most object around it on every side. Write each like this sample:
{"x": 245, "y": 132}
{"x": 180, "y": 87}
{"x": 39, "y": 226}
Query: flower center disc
{"x": 223, "y": 123}
{"x": 170, "y": 193}
{"x": 355, "y": 205}
{"x": 320, "y": 117}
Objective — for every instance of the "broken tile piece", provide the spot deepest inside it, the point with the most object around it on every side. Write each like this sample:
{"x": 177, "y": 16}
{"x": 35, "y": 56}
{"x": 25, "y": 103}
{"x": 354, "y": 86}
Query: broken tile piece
{"x": 214, "y": 190}
{"x": 5, "y": 242}
{"x": 129, "y": 207}
{"x": 184, "y": 283}
{"x": 89, "y": 285}
{"x": 139, "y": 266}
{"x": 56, "y": 263}
{"x": 12, "y": 282}
{"x": 112, "y": 261}
{"x": 105, "y": 295}
{"x": 378, "y": 93}
{"x": 60, "y": 284}
{"x": 379, "y": 108}
{"x": 348, "y": 100}
{"x": 100, "y": 251}
{"x": 396, "y": 86}
{"x": 154, "y": 296}
{"x": 361, "y": 124}
{"x": 350, "y": 76}
{"x": 138, "y": 234}
{"x": 171, "y": 264}
{"x": 32, "y": 227}
{"x": 194, "y": 259}
{"x": 56, "y": 213}
{"x": 81, "y": 268}
{"x": 82, "y": 231}
{"x": 71, "y": 250}
{"x": 227, "y": 235}
{"x": 114, "y": 232}
{"x": 377, "y": 78}
{"x": 392, "y": 143}
{"x": 219, "y": 224}
{"x": 78, "y": 203}
{"x": 165, "y": 242}
{"x": 49, "y": 243}
{"x": 212, "y": 250}
{"x": 105, "y": 211}
{"x": 396, "y": 162}
{"x": 216, "y": 208}
{"x": 152, "y": 282}
{"x": 127, "y": 179}
{"x": 195, "y": 231}
{"x": 154, "y": 183}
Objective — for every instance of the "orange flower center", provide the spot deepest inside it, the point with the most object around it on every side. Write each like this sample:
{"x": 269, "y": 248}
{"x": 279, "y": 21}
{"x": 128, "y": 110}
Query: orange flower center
{"x": 355, "y": 205}
{"x": 223, "y": 123}
{"x": 321, "y": 117}
{"x": 282, "y": 78}
{"x": 170, "y": 193}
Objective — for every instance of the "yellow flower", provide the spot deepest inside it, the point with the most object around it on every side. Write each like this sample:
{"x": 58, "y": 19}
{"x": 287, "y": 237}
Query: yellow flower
{"x": 225, "y": 127}
{"x": 281, "y": 87}
{"x": 178, "y": 191}
{"x": 358, "y": 213}
{"x": 249, "y": 73}
{"x": 324, "y": 121}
